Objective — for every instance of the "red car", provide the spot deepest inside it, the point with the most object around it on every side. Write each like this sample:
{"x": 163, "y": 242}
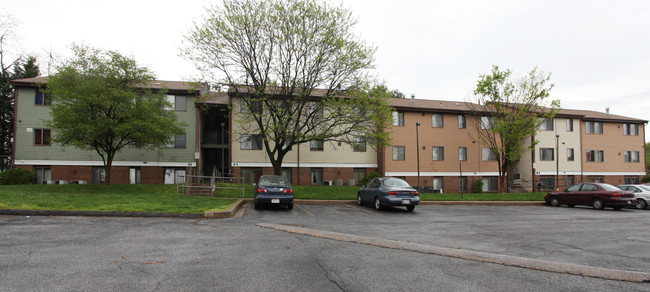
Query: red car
{"x": 598, "y": 195}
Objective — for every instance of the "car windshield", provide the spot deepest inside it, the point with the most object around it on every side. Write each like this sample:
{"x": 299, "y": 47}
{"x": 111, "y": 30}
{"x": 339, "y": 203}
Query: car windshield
{"x": 273, "y": 180}
{"x": 395, "y": 182}
{"x": 609, "y": 187}
{"x": 645, "y": 188}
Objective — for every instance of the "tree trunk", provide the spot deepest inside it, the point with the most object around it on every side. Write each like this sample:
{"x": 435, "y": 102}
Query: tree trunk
{"x": 107, "y": 167}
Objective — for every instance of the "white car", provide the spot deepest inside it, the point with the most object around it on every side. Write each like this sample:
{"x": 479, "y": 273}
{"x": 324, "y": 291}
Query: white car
{"x": 641, "y": 194}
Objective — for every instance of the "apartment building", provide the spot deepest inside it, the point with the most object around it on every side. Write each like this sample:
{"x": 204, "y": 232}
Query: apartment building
{"x": 52, "y": 163}
{"x": 575, "y": 146}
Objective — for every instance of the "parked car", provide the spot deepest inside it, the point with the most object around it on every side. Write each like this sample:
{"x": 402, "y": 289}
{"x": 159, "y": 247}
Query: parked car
{"x": 273, "y": 190}
{"x": 597, "y": 195}
{"x": 641, "y": 194}
{"x": 388, "y": 191}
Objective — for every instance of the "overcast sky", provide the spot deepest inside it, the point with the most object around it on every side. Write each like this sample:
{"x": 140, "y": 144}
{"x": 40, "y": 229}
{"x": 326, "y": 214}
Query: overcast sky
{"x": 598, "y": 52}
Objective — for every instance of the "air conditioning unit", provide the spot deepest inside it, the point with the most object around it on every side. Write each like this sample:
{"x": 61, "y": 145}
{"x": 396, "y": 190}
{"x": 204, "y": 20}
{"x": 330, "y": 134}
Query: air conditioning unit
{"x": 437, "y": 191}
{"x": 79, "y": 182}
{"x": 50, "y": 182}
{"x": 327, "y": 183}
{"x": 61, "y": 182}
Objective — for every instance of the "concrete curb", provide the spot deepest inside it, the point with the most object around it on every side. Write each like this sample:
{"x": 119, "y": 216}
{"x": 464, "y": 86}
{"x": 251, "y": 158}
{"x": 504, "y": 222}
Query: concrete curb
{"x": 225, "y": 214}
{"x": 506, "y": 260}
{"x": 96, "y": 213}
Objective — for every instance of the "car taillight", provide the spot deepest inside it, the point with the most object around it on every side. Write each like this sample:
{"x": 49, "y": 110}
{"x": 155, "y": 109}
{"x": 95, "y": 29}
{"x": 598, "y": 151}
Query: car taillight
{"x": 288, "y": 191}
{"x": 616, "y": 194}
{"x": 261, "y": 190}
{"x": 392, "y": 193}
{"x": 416, "y": 193}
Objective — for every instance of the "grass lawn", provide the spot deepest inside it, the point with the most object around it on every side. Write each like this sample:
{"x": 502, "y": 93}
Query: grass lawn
{"x": 350, "y": 193}
{"x": 121, "y": 198}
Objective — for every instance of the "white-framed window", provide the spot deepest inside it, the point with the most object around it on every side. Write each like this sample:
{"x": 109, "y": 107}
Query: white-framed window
{"x": 438, "y": 183}
{"x": 135, "y": 176}
{"x": 595, "y": 155}
{"x": 177, "y": 102}
{"x": 487, "y": 123}
{"x": 250, "y": 142}
{"x": 43, "y": 174}
{"x": 437, "y": 121}
{"x": 631, "y": 156}
{"x": 174, "y": 176}
{"x": 570, "y": 154}
{"x": 462, "y": 122}
{"x": 398, "y": 119}
{"x": 316, "y": 145}
{"x": 250, "y": 106}
{"x": 630, "y": 129}
{"x": 546, "y": 154}
{"x": 546, "y": 125}
{"x": 359, "y": 144}
{"x": 490, "y": 184}
{"x": 488, "y": 155}
{"x": 462, "y": 153}
{"x": 438, "y": 153}
{"x": 594, "y": 127}
{"x": 317, "y": 176}
{"x": 316, "y": 109}
{"x": 399, "y": 153}
{"x": 179, "y": 141}
{"x": 569, "y": 125}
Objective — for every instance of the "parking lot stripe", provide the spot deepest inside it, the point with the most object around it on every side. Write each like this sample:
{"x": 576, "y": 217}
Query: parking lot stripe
{"x": 362, "y": 209}
{"x": 506, "y": 260}
{"x": 301, "y": 208}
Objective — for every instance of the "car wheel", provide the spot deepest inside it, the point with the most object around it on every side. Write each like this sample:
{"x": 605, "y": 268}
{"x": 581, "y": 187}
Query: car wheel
{"x": 598, "y": 204}
{"x": 410, "y": 208}
{"x": 571, "y": 205}
{"x": 641, "y": 204}
{"x": 290, "y": 206}
{"x": 359, "y": 201}
{"x": 377, "y": 204}
{"x": 617, "y": 208}
{"x": 554, "y": 201}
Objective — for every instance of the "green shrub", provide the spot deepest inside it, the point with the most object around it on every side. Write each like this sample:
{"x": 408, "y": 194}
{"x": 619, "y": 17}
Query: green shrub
{"x": 16, "y": 176}
{"x": 478, "y": 186}
{"x": 646, "y": 179}
{"x": 366, "y": 179}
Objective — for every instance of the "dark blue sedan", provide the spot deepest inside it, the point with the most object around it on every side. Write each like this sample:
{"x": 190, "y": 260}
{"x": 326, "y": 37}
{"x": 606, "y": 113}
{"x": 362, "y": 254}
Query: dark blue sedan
{"x": 273, "y": 190}
{"x": 388, "y": 191}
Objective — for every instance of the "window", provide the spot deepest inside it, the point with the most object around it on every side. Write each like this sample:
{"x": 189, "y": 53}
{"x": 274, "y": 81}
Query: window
{"x": 437, "y": 121}
{"x": 546, "y": 154}
{"x": 98, "y": 175}
{"x": 42, "y": 137}
{"x": 180, "y": 141}
{"x": 631, "y": 129}
{"x": 359, "y": 111}
{"x": 462, "y": 121}
{"x": 631, "y": 156}
{"x": 359, "y": 173}
{"x": 42, "y": 98}
{"x": 251, "y": 106}
{"x": 487, "y": 123}
{"x": 631, "y": 180}
{"x": 43, "y": 174}
{"x": 287, "y": 174}
{"x": 316, "y": 109}
{"x": 488, "y": 155}
{"x": 594, "y": 127}
{"x": 316, "y": 145}
{"x": 462, "y": 184}
{"x": 174, "y": 176}
{"x": 462, "y": 153}
{"x": 177, "y": 102}
{"x": 250, "y": 142}
{"x": 399, "y": 153}
{"x": 546, "y": 125}
{"x": 438, "y": 153}
{"x": 398, "y": 119}
{"x": 317, "y": 176}
{"x": 135, "y": 175}
{"x": 569, "y": 125}
{"x": 490, "y": 184}
{"x": 570, "y": 154}
{"x": 548, "y": 183}
{"x": 251, "y": 175}
{"x": 595, "y": 155}
{"x": 595, "y": 179}
{"x": 359, "y": 144}
{"x": 570, "y": 180}
{"x": 438, "y": 184}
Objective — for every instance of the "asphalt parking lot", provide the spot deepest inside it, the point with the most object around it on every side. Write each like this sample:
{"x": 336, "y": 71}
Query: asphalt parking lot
{"x": 236, "y": 254}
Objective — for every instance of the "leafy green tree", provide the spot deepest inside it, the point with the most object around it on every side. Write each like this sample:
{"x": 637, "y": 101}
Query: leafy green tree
{"x": 508, "y": 112}
{"x": 102, "y": 102}
{"x": 300, "y": 72}
{"x": 10, "y": 69}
